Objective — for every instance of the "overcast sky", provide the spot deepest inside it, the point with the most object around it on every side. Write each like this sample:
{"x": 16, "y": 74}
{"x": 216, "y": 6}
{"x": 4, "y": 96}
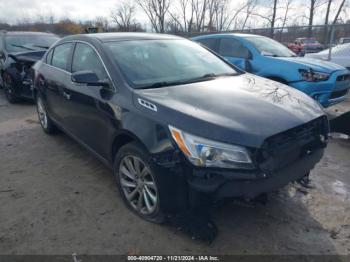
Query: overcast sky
{"x": 12, "y": 11}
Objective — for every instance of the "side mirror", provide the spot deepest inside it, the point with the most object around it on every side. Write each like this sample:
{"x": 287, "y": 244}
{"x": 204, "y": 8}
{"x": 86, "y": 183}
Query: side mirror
{"x": 89, "y": 78}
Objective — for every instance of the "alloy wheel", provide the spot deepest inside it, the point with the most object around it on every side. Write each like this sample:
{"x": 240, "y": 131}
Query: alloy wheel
{"x": 138, "y": 185}
{"x": 42, "y": 113}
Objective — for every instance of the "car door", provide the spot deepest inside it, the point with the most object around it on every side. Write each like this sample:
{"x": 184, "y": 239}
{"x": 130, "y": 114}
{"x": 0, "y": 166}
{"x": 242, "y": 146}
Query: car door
{"x": 90, "y": 116}
{"x": 235, "y": 53}
{"x": 57, "y": 77}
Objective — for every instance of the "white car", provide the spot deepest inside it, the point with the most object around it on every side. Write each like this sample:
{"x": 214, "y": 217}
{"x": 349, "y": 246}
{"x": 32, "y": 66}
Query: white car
{"x": 340, "y": 55}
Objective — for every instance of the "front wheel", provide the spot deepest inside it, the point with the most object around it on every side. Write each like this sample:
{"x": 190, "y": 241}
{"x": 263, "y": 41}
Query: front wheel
{"x": 137, "y": 182}
{"x": 45, "y": 121}
{"x": 9, "y": 89}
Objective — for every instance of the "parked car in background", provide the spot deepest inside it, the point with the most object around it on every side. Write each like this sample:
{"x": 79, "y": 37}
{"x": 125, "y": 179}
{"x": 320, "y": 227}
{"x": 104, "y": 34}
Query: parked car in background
{"x": 344, "y": 40}
{"x": 174, "y": 121}
{"x": 340, "y": 55}
{"x": 326, "y": 82}
{"x": 302, "y": 46}
{"x": 18, "y": 52}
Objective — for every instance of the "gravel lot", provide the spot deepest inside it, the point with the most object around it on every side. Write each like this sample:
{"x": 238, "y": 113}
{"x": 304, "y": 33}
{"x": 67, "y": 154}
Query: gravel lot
{"x": 55, "y": 198}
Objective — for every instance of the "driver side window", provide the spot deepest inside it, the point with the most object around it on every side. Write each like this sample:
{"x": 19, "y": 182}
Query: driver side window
{"x": 86, "y": 59}
{"x": 233, "y": 48}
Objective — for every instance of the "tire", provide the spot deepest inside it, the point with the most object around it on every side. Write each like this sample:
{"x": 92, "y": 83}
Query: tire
{"x": 45, "y": 121}
{"x": 138, "y": 183}
{"x": 9, "y": 89}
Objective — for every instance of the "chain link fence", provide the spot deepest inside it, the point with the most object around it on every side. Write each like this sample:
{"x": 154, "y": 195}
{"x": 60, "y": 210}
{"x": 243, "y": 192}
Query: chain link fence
{"x": 326, "y": 34}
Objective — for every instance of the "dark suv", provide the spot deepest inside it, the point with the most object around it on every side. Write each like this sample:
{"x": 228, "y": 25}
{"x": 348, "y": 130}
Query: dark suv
{"x": 175, "y": 121}
{"x": 18, "y": 52}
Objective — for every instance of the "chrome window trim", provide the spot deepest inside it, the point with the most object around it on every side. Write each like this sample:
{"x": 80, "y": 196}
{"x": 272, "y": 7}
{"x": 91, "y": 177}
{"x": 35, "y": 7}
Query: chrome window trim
{"x": 114, "y": 89}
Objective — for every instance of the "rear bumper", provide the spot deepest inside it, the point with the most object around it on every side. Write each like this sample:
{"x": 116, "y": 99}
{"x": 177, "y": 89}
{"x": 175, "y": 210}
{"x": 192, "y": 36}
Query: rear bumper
{"x": 226, "y": 184}
{"x": 328, "y": 92}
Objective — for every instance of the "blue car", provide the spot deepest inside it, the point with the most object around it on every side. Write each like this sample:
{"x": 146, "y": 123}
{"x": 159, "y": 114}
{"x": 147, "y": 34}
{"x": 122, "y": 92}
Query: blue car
{"x": 326, "y": 82}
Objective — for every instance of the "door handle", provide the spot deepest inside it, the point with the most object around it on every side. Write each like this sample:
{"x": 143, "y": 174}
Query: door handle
{"x": 66, "y": 95}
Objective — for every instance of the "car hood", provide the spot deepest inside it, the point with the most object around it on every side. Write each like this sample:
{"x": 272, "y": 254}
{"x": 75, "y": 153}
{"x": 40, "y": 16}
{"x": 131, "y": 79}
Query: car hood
{"x": 315, "y": 64}
{"x": 243, "y": 109}
{"x": 30, "y": 56}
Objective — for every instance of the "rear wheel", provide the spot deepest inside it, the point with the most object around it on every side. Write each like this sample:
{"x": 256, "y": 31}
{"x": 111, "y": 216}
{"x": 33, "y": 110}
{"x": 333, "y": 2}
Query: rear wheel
{"x": 44, "y": 119}
{"x": 9, "y": 88}
{"x": 137, "y": 182}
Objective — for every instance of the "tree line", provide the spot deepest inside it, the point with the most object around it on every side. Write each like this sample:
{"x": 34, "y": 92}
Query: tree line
{"x": 195, "y": 16}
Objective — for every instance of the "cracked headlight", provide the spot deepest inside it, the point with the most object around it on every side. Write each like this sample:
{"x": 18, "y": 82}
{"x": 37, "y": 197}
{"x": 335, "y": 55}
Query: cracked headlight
{"x": 203, "y": 152}
{"x": 313, "y": 76}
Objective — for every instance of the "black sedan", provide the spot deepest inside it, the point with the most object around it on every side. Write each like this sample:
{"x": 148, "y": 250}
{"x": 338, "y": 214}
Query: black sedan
{"x": 18, "y": 52}
{"x": 174, "y": 121}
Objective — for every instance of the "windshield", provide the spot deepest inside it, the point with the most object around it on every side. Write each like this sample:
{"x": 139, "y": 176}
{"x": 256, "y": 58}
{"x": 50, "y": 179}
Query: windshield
{"x": 269, "y": 47}
{"x": 21, "y": 43}
{"x": 309, "y": 41}
{"x": 155, "y": 63}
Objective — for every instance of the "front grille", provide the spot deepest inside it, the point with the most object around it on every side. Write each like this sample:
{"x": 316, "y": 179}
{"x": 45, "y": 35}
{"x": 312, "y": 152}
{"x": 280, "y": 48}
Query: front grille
{"x": 343, "y": 77}
{"x": 287, "y": 147}
{"x": 337, "y": 94}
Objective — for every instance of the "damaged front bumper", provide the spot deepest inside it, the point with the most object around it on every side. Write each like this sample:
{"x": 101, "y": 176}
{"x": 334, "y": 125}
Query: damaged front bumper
{"x": 249, "y": 184}
{"x": 282, "y": 158}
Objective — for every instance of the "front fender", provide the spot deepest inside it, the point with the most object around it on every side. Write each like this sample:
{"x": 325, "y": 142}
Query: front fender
{"x": 154, "y": 136}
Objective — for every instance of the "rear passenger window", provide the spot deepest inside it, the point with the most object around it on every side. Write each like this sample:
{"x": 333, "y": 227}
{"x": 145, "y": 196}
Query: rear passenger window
{"x": 49, "y": 57}
{"x": 211, "y": 43}
{"x": 86, "y": 59}
{"x": 61, "y": 56}
{"x": 233, "y": 48}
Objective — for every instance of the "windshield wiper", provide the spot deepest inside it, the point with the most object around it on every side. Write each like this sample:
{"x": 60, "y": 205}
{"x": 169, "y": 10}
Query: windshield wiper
{"x": 22, "y": 46}
{"x": 204, "y": 77}
{"x": 161, "y": 84}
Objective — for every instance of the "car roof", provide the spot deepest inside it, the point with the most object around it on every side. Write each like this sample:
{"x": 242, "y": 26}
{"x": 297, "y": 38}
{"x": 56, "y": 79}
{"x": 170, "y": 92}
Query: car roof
{"x": 110, "y": 37}
{"x": 22, "y": 33}
{"x": 227, "y": 34}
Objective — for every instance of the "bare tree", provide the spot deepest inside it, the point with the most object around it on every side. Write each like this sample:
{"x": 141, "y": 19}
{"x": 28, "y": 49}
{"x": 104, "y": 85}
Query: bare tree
{"x": 250, "y": 7}
{"x": 199, "y": 8}
{"x": 186, "y": 14}
{"x": 156, "y": 11}
{"x": 273, "y": 18}
{"x": 225, "y": 16}
{"x": 270, "y": 17}
{"x": 314, "y": 4}
{"x": 338, "y": 12}
{"x": 102, "y": 23}
{"x": 286, "y": 7}
{"x": 326, "y": 21}
{"x": 124, "y": 16}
